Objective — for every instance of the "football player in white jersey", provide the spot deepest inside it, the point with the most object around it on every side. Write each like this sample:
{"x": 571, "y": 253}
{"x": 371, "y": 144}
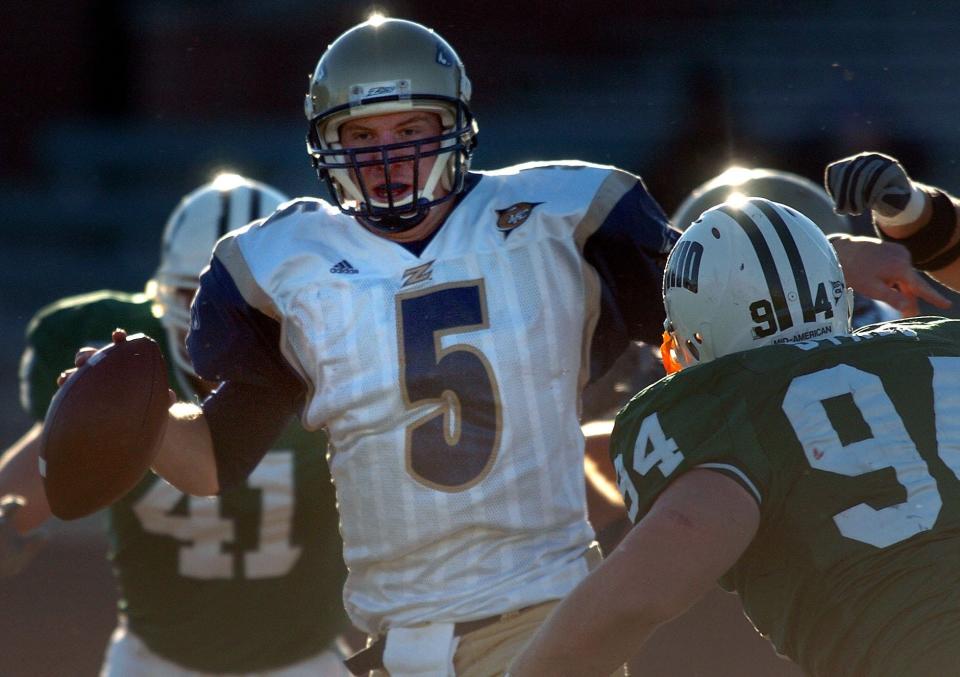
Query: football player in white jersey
{"x": 440, "y": 324}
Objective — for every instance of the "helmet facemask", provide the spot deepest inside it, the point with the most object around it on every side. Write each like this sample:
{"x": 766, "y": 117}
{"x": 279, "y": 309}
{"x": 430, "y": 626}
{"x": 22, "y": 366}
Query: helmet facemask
{"x": 386, "y": 67}
{"x": 342, "y": 168}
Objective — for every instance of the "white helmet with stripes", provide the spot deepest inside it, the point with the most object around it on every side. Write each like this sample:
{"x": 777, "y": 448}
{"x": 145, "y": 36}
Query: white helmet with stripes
{"x": 202, "y": 217}
{"x": 749, "y": 274}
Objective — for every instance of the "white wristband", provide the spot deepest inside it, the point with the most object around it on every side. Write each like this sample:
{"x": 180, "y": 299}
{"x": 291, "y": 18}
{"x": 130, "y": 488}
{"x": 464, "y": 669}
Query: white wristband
{"x": 910, "y": 213}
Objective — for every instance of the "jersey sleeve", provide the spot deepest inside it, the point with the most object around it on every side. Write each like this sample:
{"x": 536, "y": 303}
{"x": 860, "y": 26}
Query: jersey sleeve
{"x": 664, "y": 433}
{"x": 629, "y": 251}
{"x": 235, "y": 344}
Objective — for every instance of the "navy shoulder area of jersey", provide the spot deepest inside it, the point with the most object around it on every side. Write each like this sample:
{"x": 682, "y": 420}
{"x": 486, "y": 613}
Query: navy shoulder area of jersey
{"x": 237, "y": 345}
{"x": 230, "y": 340}
{"x": 628, "y": 248}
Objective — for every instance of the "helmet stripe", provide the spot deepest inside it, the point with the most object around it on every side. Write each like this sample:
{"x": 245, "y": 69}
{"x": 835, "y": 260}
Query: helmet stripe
{"x": 767, "y": 264}
{"x": 255, "y": 199}
{"x": 223, "y": 224}
{"x": 793, "y": 255}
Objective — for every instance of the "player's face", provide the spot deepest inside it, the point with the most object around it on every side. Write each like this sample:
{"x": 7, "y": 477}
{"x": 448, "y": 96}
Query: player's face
{"x": 388, "y": 129}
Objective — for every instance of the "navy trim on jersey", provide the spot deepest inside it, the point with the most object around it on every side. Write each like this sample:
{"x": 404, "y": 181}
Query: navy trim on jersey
{"x": 234, "y": 343}
{"x": 629, "y": 251}
{"x": 777, "y": 296}
{"x": 245, "y": 422}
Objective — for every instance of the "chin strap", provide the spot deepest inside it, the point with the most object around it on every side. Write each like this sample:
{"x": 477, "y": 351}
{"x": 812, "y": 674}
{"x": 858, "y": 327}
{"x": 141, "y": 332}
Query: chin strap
{"x": 667, "y": 352}
{"x": 393, "y": 223}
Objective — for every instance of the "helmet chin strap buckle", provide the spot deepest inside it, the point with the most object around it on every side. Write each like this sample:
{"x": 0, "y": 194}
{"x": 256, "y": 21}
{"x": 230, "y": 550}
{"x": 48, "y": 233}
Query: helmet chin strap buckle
{"x": 393, "y": 222}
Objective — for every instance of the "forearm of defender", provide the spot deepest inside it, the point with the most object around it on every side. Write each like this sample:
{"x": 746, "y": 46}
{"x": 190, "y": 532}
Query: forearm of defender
{"x": 928, "y": 227}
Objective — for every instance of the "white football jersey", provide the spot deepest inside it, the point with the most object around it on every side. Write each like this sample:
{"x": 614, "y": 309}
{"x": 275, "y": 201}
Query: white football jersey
{"x": 449, "y": 384}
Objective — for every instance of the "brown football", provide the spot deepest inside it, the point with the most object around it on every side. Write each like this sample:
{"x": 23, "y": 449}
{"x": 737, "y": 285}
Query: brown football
{"x": 103, "y": 426}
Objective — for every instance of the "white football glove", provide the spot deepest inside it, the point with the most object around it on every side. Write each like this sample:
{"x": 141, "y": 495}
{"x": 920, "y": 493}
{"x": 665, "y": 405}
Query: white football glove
{"x": 868, "y": 181}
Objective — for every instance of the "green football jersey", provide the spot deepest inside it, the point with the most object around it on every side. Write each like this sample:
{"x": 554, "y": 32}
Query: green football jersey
{"x": 248, "y": 581}
{"x": 851, "y": 447}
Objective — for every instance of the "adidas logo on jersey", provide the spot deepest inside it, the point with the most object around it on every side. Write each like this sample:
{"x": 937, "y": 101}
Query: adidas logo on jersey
{"x": 344, "y": 268}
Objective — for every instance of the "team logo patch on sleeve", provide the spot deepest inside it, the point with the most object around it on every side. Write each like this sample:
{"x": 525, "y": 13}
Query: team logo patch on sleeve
{"x": 514, "y": 216}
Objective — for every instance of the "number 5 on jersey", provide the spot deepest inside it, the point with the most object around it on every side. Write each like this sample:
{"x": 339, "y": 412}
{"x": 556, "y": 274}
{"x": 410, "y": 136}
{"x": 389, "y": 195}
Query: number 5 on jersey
{"x": 453, "y": 445}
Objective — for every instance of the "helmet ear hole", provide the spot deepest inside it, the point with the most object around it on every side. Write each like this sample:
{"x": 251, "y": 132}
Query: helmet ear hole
{"x": 698, "y": 337}
{"x": 693, "y": 349}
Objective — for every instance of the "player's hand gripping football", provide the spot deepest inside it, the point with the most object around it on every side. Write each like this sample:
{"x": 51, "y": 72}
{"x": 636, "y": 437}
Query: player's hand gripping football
{"x": 868, "y": 181}
{"x": 16, "y": 551}
{"x": 85, "y": 353}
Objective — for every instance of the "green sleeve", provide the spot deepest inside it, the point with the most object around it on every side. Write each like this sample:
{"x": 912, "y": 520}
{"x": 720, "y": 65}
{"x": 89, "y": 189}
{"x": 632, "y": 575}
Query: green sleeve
{"x": 57, "y": 331}
{"x": 48, "y": 352}
{"x": 667, "y": 431}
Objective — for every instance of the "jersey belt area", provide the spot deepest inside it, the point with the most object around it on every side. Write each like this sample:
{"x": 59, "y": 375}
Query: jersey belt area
{"x": 371, "y": 658}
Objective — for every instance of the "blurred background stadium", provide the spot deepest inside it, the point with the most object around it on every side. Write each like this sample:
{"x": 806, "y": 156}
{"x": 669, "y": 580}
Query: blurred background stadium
{"x": 115, "y": 108}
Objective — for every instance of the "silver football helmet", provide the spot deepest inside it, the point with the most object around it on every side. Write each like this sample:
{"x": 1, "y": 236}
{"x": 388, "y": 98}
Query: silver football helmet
{"x": 379, "y": 67}
{"x": 202, "y": 217}
{"x": 750, "y": 274}
{"x": 739, "y": 183}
